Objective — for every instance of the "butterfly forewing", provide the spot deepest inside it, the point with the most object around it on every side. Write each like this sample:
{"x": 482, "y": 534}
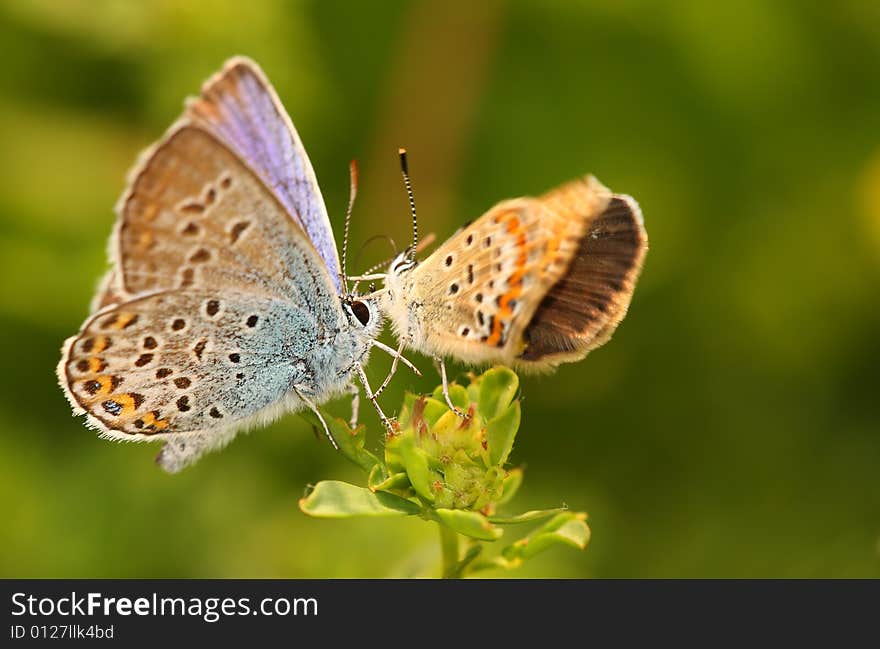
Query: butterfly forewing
{"x": 241, "y": 107}
{"x": 195, "y": 216}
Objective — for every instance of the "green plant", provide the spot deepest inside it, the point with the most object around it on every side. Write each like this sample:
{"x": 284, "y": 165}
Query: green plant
{"x": 451, "y": 471}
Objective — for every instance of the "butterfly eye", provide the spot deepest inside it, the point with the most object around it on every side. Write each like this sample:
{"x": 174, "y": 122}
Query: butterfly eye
{"x": 361, "y": 312}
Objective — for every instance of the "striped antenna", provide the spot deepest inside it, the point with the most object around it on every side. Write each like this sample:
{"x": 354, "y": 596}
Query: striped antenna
{"x": 404, "y": 168}
{"x": 353, "y": 174}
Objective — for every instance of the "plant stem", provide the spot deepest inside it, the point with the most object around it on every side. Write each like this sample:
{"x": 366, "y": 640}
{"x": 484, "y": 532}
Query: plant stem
{"x": 449, "y": 549}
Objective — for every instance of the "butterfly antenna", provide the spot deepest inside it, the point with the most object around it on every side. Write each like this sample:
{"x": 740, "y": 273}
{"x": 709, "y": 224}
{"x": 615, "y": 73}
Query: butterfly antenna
{"x": 424, "y": 243}
{"x": 353, "y": 174}
{"x": 382, "y": 263}
{"x": 404, "y": 168}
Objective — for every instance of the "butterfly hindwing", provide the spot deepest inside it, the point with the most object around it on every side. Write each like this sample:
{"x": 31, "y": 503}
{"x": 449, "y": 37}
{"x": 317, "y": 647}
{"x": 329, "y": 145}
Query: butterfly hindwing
{"x": 582, "y": 310}
{"x": 481, "y": 288}
{"x": 186, "y": 361}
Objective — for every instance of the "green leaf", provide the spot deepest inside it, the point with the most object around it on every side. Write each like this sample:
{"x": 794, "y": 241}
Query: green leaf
{"x": 473, "y": 389}
{"x": 433, "y": 410}
{"x": 335, "y": 499}
{"x": 527, "y": 517}
{"x": 396, "y": 481}
{"x": 350, "y": 442}
{"x": 510, "y": 486}
{"x": 564, "y": 529}
{"x": 393, "y": 460}
{"x": 421, "y": 406}
{"x": 560, "y": 520}
{"x": 457, "y": 394}
{"x": 492, "y": 563}
{"x": 469, "y": 523}
{"x": 498, "y": 386}
{"x": 377, "y": 475}
{"x": 501, "y": 433}
{"x": 415, "y": 461}
{"x": 447, "y": 426}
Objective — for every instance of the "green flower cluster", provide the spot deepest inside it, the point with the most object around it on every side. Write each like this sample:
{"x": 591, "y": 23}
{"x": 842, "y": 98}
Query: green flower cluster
{"x": 452, "y": 462}
{"x": 451, "y": 470}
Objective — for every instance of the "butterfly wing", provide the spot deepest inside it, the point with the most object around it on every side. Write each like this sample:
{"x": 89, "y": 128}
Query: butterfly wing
{"x": 191, "y": 363}
{"x": 240, "y": 106}
{"x": 184, "y": 361}
{"x": 488, "y": 293}
{"x": 196, "y": 216}
{"x": 106, "y": 293}
{"x": 582, "y": 310}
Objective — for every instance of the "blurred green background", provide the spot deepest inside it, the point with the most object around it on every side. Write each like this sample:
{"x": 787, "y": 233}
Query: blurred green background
{"x": 730, "y": 429}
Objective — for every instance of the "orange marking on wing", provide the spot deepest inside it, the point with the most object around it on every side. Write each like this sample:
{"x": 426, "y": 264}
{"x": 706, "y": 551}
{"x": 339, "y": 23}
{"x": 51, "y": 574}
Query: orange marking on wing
{"x": 516, "y": 228}
{"x": 152, "y": 421}
{"x": 514, "y": 282}
{"x": 101, "y": 343}
{"x": 521, "y": 260}
{"x": 552, "y": 250}
{"x": 505, "y": 308}
{"x": 145, "y": 240}
{"x": 123, "y": 320}
{"x": 105, "y": 385}
{"x": 96, "y": 364}
{"x": 150, "y": 211}
{"x": 126, "y": 401}
{"x": 516, "y": 278}
{"x": 495, "y": 335}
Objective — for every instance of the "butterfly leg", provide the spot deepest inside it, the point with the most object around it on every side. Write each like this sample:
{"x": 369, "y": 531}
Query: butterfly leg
{"x": 314, "y": 409}
{"x": 398, "y": 356}
{"x": 449, "y": 403}
{"x": 355, "y": 405}
{"x": 372, "y": 397}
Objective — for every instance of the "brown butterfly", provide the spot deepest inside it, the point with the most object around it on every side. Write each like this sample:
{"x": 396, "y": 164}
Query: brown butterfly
{"x": 532, "y": 283}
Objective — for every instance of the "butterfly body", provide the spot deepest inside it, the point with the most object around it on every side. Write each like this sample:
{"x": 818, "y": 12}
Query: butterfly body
{"x": 532, "y": 283}
{"x": 223, "y": 307}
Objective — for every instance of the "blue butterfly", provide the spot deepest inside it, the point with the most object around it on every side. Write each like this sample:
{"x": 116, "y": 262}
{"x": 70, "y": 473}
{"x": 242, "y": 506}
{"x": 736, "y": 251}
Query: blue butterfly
{"x": 226, "y": 304}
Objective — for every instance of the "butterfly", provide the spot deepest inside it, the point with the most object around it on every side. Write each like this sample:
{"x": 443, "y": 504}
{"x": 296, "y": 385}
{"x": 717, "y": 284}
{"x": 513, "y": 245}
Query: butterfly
{"x": 226, "y": 304}
{"x": 532, "y": 283}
